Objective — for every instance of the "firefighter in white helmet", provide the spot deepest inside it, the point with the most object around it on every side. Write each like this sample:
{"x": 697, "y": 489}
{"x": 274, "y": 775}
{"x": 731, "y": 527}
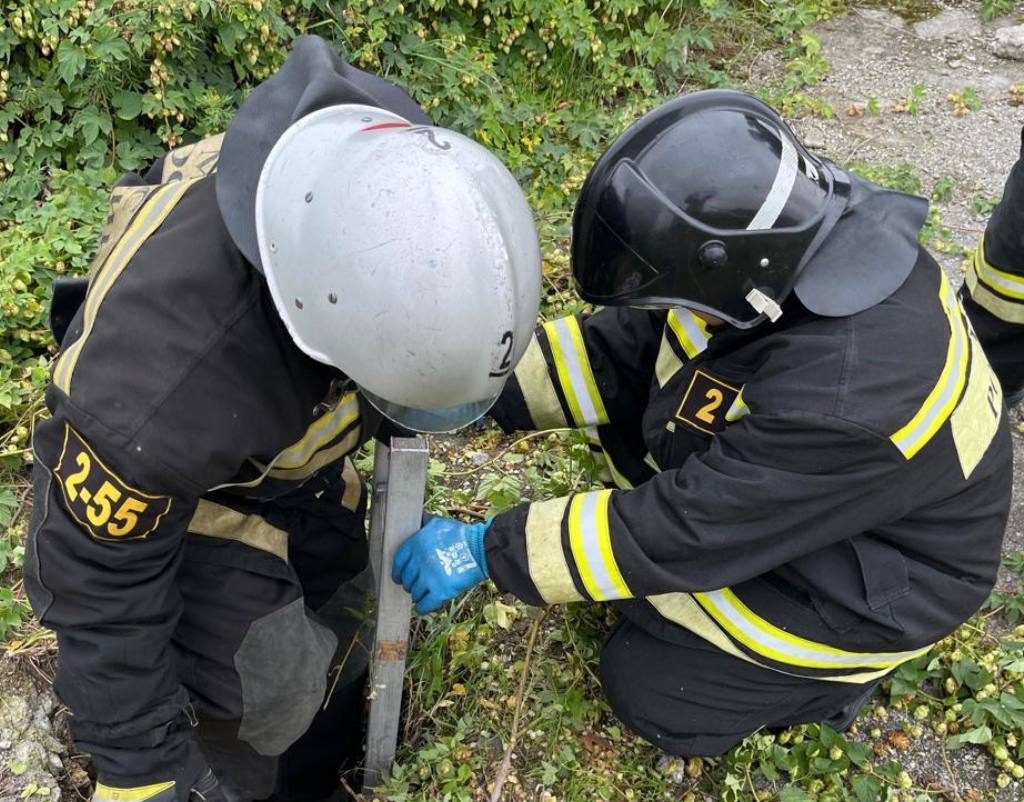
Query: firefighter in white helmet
{"x": 261, "y": 303}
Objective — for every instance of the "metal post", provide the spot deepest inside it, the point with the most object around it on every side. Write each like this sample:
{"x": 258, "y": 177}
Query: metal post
{"x": 399, "y": 483}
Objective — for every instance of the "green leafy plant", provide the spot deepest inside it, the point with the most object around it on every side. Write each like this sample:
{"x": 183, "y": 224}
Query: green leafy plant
{"x": 964, "y": 102}
{"x": 942, "y": 189}
{"x": 911, "y": 104}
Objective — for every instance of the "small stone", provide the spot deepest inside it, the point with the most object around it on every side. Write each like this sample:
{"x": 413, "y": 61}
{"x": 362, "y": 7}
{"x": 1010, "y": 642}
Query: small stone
{"x": 1008, "y": 42}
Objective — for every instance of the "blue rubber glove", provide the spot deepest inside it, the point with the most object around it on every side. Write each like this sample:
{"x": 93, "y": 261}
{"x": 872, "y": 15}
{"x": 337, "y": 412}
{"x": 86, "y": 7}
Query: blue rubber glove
{"x": 443, "y": 559}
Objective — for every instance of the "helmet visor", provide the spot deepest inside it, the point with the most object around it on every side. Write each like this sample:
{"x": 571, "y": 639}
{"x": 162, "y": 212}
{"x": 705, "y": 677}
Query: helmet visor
{"x": 431, "y": 421}
{"x": 643, "y": 250}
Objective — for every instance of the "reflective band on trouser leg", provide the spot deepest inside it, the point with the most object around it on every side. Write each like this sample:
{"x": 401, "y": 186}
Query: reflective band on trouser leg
{"x": 766, "y": 639}
{"x": 1010, "y": 311}
{"x": 545, "y": 557}
{"x": 690, "y": 331}
{"x": 941, "y": 401}
{"x": 574, "y": 372}
{"x": 682, "y": 609}
{"x": 538, "y": 390}
{"x": 591, "y": 543}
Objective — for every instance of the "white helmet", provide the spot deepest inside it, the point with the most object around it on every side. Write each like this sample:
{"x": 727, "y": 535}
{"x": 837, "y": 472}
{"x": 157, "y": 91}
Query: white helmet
{"x": 405, "y": 256}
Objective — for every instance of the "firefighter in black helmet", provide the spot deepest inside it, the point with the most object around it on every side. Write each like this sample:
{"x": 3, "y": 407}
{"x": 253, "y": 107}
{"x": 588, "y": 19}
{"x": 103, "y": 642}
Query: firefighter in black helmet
{"x": 807, "y": 452}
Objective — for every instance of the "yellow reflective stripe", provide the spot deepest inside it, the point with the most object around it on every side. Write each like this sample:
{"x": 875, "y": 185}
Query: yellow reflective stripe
{"x": 148, "y": 219}
{"x": 667, "y": 364}
{"x": 1002, "y": 282}
{"x": 104, "y": 793}
{"x": 1002, "y": 308}
{"x": 738, "y": 409}
{"x": 682, "y": 609}
{"x": 320, "y": 459}
{"x": 538, "y": 390}
{"x": 320, "y": 433}
{"x": 216, "y": 520}
{"x": 574, "y": 372}
{"x": 545, "y": 558}
{"x": 943, "y": 398}
{"x": 590, "y": 540}
{"x": 691, "y": 332}
{"x": 766, "y": 639}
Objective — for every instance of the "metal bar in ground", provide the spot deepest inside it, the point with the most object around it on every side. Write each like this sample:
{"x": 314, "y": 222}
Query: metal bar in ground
{"x": 403, "y": 512}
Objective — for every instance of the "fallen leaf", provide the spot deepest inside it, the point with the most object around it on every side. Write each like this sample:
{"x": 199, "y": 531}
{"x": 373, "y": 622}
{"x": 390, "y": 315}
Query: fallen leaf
{"x": 899, "y": 740}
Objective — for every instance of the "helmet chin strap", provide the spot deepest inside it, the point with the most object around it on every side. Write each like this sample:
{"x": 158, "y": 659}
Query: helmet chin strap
{"x": 764, "y": 305}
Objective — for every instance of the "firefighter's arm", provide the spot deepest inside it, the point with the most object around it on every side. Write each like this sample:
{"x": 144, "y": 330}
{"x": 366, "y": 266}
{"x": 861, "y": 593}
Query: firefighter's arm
{"x": 583, "y": 371}
{"x": 103, "y": 550}
{"x": 768, "y": 490}
{"x": 993, "y": 290}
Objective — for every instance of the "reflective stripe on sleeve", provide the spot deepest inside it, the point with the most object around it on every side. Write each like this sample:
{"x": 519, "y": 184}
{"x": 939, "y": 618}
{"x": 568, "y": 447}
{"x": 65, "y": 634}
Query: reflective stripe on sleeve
{"x": 538, "y": 390}
{"x": 590, "y": 540}
{"x": 545, "y": 557}
{"x": 690, "y": 331}
{"x": 1010, "y": 311}
{"x": 738, "y": 409}
{"x": 941, "y": 401}
{"x": 1008, "y": 284}
{"x": 764, "y": 638}
{"x": 574, "y": 372}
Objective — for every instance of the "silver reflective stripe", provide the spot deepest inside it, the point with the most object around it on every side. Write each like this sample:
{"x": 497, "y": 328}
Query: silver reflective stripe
{"x": 999, "y": 280}
{"x": 781, "y": 189}
{"x": 761, "y": 639}
{"x": 567, "y": 346}
{"x": 953, "y": 376}
{"x": 604, "y": 586}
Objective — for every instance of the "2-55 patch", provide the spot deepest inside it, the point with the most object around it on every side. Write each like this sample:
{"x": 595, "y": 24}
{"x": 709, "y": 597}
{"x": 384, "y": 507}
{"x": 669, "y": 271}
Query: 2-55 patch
{"x": 105, "y": 506}
{"x": 706, "y": 402}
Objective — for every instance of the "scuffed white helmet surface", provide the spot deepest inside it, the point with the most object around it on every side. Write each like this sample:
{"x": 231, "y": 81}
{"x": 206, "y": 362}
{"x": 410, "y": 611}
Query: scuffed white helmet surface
{"x": 404, "y": 255}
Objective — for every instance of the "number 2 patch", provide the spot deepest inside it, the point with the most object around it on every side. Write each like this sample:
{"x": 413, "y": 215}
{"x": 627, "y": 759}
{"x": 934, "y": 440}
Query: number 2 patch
{"x": 105, "y": 506}
{"x": 706, "y": 402}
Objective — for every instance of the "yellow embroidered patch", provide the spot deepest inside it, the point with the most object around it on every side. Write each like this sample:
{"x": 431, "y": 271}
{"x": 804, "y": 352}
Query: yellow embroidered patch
{"x": 103, "y": 504}
{"x": 706, "y": 402}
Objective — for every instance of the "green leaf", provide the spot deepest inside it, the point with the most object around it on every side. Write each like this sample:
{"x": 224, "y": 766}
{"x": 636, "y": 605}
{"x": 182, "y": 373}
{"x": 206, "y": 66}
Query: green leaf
{"x": 866, "y": 788}
{"x": 70, "y": 61}
{"x": 792, "y": 793}
{"x": 127, "y": 105}
{"x": 979, "y": 735}
{"x": 859, "y": 753}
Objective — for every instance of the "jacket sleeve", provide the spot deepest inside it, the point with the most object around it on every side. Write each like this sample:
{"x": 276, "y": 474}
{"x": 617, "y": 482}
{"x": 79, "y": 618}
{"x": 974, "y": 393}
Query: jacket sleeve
{"x": 993, "y": 290}
{"x": 103, "y": 550}
{"x": 769, "y": 489}
{"x": 583, "y": 371}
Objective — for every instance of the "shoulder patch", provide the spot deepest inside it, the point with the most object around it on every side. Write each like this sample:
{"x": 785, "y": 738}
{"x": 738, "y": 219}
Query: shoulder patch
{"x": 104, "y": 505}
{"x": 706, "y": 403}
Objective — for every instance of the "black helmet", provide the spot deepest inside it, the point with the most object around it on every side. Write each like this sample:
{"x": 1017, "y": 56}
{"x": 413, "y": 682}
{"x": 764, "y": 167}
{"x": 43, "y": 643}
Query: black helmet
{"x": 710, "y": 202}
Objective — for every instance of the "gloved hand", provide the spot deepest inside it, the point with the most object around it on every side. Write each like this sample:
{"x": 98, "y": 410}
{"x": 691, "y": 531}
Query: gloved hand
{"x": 443, "y": 559}
{"x": 205, "y": 789}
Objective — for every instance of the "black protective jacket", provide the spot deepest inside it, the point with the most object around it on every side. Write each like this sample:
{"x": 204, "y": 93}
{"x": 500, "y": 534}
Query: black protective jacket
{"x": 823, "y": 496}
{"x": 179, "y": 403}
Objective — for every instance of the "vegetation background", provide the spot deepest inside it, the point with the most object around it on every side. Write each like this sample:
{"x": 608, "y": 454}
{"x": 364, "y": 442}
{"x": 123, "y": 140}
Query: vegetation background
{"x": 503, "y": 701}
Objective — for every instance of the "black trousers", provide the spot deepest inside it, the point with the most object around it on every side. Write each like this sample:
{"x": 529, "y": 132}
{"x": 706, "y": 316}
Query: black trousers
{"x": 273, "y": 646}
{"x": 696, "y": 700}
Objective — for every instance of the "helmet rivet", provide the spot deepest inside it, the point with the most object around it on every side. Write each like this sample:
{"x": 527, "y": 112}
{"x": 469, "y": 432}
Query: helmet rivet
{"x": 712, "y": 255}
{"x": 273, "y": 247}
{"x": 298, "y": 303}
{"x": 309, "y": 197}
{"x": 367, "y": 120}
{"x": 765, "y": 262}
{"x": 332, "y": 297}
